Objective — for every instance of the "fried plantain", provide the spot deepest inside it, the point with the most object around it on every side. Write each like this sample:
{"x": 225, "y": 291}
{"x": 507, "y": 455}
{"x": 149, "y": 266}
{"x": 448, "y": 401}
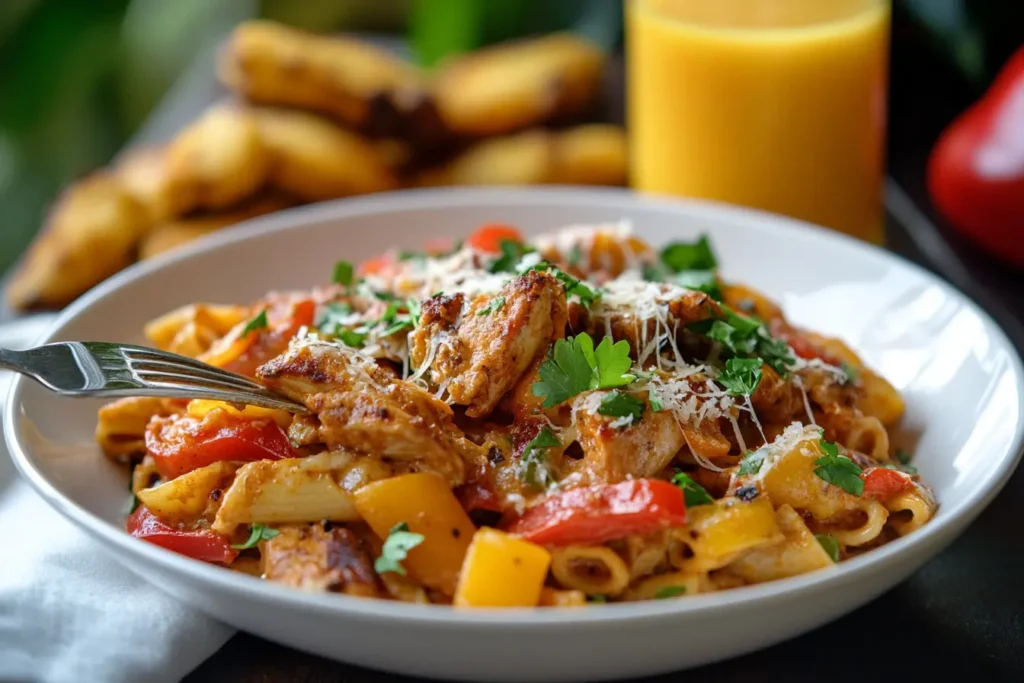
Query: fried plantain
{"x": 90, "y": 233}
{"x": 519, "y": 84}
{"x": 172, "y": 234}
{"x": 315, "y": 159}
{"x": 217, "y": 161}
{"x": 584, "y": 155}
{"x": 143, "y": 172}
{"x": 352, "y": 80}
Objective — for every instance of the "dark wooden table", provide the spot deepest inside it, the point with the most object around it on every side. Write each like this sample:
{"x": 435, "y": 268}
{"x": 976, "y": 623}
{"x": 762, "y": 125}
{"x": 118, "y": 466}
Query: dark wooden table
{"x": 961, "y": 615}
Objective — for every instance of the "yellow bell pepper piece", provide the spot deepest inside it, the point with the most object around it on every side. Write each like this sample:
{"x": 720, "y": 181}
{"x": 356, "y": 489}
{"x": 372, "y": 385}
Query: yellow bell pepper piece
{"x": 502, "y": 571}
{"x": 720, "y": 532}
{"x": 199, "y": 407}
{"x": 425, "y": 502}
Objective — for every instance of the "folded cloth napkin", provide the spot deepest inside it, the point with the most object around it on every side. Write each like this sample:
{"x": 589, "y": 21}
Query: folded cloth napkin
{"x": 68, "y": 611}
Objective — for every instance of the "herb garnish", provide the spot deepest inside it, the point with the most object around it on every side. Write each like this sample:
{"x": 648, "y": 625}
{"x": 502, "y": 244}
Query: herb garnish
{"x": 693, "y": 493}
{"x": 533, "y": 467}
{"x": 585, "y": 292}
{"x": 343, "y": 273}
{"x": 669, "y": 592}
{"x": 575, "y": 255}
{"x": 741, "y": 376}
{"x": 701, "y": 280}
{"x": 257, "y": 323}
{"x": 511, "y": 253}
{"x": 852, "y": 373}
{"x": 395, "y": 549}
{"x": 620, "y": 404}
{"x": 259, "y": 532}
{"x": 838, "y": 470}
{"x": 829, "y": 544}
{"x": 680, "y": 256}
{"x": 492, "y": 306}
{"x": 752, "y": 461}
{"x": 575, "y": 366}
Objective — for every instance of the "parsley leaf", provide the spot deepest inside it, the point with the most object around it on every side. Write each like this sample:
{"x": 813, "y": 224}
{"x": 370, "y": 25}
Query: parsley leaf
{"x": 680, "y": 256}
{"x": 396, "y": 547}
{"x": 838, "y": 470}
{"x": 751, "y": 463}
{"x": 575, "y": 255}
{"x": 257, "y": 323}
{"x": 653, "y": 272}
{"x": 669, "y": 592}
{"x": 829, "y": 544}
{"x": 741, "y": 376}
{"x": 343, "y": 273}
{"x": 405, "y": 255}
{"x": 775, "y": 352}
{"x": 656, "y": 405}
{"x": 511, "y": 253}
{"x": 492, "y": 306}
{"x": 585, "y": 292}
{"x": 597, "y": 597}
{"x": 902, "y": 457}
{"x": 330, "y": 323}
{"x": 351, "y": 338}
{"x": 743, "y": 335}
{"x": 258, "y": 533}
{"x": 575, "y": 366}
{"x": 693, "y": 493}
{"x": 533, "y": 467}
{"x": 619, "y": 404}
{"x": 907, "y": 469}
{"x": 852, "y": 373}
{"x": 611, "y": 363}
{"x": 701, "y": 280}
{"x": 415, "y": 309}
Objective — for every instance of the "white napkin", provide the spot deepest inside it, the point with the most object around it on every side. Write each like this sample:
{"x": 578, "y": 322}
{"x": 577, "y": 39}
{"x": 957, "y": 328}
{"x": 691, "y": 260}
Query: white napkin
{"x": 69, "y": 612}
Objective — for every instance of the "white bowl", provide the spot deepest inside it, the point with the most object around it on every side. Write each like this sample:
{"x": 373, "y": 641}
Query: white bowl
{"x": 960, "y": 375}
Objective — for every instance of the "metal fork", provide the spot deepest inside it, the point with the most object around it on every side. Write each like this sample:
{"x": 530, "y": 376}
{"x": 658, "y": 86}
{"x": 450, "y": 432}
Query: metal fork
{"x": 101, "y": 369}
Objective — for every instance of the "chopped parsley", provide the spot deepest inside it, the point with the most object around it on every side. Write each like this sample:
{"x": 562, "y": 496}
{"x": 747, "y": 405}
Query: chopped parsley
{"x": 693, "y": 493}
{"x": 903, "y": 457}
{"x": 907, "y": 469}
{"x": 575, "y": 366}
{"x": 257, "y": 323}
{"x": 669, "y": 592}
{"x": 258, "y": 533}
{"x": 575, "y": 255}
{"x": 742, "y": 335}
{"x": 343, "y": 273}
{"x": 701, "y": 280}
{"x": 597, "y": 597}
{"x": 406, "y": 255}
{"x": 351, "y": 338}
{"x": 585, "y": 292}
{"x": 680, "y": 256}
{"x": 838, "y": 470}
{"x": 752, "y": 461}
{"x": 656, "y": 405}
{"x": 533, "y": 467}
{"x": 829, "y": 544}
{"x": 492, "y": 306}
{"x": 397, "y": 321}
{"x": 396, "y": 547}
{"x": 852, "y": 373}
{"x": 653, "y": 272}
{"x": 620, "y": 404}
{"x": 741, "y": 376}
{"x": 511, "y": 253}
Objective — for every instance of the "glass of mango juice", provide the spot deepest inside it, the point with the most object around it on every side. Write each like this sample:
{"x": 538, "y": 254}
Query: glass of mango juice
{"x": 774, "y": 104}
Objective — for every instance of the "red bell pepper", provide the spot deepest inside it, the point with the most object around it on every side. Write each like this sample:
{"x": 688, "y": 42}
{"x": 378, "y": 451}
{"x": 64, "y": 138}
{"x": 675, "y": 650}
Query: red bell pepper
{"x": 183, "y": 443}
{"x": 976, "y": 169}
{"x": 197, "y": 543}
{"x": 488, "y": 238}
{"x": 883, "y": 483}
{"x": 602, "y": 513}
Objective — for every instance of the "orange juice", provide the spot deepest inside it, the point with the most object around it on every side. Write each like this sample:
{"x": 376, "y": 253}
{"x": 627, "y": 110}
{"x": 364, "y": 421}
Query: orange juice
{"x": 775, "y": 104}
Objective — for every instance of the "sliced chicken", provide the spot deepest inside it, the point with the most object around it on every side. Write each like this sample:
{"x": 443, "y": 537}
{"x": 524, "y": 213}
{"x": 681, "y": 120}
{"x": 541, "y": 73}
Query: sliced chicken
{"x": 478, "y": 349}
{"x": 315, "y": 558}
{"x": 362, "y": 407}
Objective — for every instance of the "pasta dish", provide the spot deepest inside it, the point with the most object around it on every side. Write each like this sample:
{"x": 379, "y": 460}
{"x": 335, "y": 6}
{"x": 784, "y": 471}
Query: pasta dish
{"x": 572, "y": 419}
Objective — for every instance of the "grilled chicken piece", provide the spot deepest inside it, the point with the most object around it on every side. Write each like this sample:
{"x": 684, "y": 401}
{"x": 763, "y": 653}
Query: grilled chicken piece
{"x": 613, "y": 453}
{"x": 647, "y": 314}
{"x": 479, "y": 351}
{"x": 314, "y": 558}
{"x": 363, "y": 407}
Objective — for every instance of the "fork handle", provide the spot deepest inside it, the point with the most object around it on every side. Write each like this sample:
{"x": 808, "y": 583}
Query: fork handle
{"x": 11, "y": 360}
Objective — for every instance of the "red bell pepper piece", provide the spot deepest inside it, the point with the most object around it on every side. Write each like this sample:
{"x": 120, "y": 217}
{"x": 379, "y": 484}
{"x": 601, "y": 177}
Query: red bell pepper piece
{"x": 602, "y": 513}
{"x": 488, "y": 238}
{"x": 883, "y": 483}
{"x": 976, "y": 169}
{"x": 183, "y": 443}
{"x": 197, "y": 543}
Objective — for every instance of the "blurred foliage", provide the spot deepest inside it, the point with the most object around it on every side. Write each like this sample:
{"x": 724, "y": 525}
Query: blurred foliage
{"x": 79, "y": 77}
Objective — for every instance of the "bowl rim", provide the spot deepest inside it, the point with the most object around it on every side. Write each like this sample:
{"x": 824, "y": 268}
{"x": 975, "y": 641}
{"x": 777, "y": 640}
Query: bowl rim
{"x": 939, "y": 531}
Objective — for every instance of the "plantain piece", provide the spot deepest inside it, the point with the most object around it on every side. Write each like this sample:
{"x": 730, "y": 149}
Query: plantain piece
{"x": 519, "y": 84}
{"x": 360, "y": 84}
{"x": 143, "y": 172}
{"x": 90, "y": 233}
{"x": 585, "y": 155}
{"x": 594, "y": 154}
{"x": 217, "y": 162}
{"x": 315, "y": 159}
{"x": 173, "y": 234}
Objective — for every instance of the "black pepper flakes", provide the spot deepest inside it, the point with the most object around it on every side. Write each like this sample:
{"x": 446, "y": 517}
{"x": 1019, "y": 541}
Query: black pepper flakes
{"x": 456, "y": 533}
{"x": 747, "y": 493}
{"x": 494, "y": 456}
